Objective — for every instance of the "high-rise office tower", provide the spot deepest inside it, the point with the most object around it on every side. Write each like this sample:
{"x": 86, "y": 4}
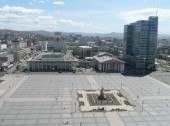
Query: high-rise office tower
{"x": 140, "y": 40}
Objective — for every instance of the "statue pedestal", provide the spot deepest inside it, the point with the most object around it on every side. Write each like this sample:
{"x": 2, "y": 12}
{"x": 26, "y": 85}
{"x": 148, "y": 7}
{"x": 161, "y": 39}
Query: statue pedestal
{"x": 102, "y": 95}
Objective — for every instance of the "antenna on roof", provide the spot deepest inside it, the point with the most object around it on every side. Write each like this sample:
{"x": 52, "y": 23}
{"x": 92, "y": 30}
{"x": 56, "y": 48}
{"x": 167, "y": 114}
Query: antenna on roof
{"x": 157, "y": 8}
{"x": 157, "y": 11}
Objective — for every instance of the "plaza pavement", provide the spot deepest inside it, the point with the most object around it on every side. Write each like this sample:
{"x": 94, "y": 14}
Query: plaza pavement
{"x": 161, "y": 76}
{"x": 47, "y": 99}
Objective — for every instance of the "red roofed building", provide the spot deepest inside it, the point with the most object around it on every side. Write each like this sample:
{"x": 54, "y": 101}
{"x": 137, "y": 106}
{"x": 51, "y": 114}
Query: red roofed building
{"x": 105, "y": 62}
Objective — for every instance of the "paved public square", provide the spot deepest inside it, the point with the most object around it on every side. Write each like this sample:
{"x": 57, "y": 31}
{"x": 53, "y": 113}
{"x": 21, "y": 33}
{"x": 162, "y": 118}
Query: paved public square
{"x": 162, "y": 76}
{"x": 47, "y": 99}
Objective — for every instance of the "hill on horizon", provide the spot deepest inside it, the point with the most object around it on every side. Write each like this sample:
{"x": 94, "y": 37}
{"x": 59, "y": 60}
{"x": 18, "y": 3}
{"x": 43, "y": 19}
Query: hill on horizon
{"x": 48, "y": 33}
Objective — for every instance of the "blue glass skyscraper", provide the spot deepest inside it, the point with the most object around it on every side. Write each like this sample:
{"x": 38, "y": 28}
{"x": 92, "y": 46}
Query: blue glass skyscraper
{"x": 140, "y": 40}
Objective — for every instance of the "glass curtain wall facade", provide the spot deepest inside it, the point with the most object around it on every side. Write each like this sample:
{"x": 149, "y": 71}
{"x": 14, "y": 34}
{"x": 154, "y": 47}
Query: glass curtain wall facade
{"x": 140, "y": 44}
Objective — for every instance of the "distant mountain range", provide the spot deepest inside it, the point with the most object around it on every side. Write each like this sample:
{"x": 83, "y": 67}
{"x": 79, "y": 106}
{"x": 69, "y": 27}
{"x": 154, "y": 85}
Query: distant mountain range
{"x": 47, "y": 33}
{"x": 117, "y": 35}
{"x": 163, "y": 36}
{"x": 113, "y": 34}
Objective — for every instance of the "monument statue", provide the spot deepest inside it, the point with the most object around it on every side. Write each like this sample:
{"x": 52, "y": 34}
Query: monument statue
{"x": 102, "y": 95}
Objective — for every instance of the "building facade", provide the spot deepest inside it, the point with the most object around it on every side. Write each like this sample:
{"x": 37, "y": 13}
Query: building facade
{"x": 140, "y": 40}
{"x": 57, "y": 46}
{"x": 105, "y": 62}
{"x": 83, "y": 51}
{"x": 3, "y": 47}
{"x": 52, "y": 62}
{"x": 18, "y": 43}
{"x": 43, "y": 45}
{"x": 86, "y": 63}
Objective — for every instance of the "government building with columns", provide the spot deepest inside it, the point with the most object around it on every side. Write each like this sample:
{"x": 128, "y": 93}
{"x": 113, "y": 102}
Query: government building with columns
{"x": 52, "y": 61}
{"x": 105, "y": 62}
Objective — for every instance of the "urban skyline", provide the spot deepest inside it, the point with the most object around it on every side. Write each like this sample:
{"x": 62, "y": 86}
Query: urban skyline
{"x": 75, "y": 74}
{"x": 80, "y": 16}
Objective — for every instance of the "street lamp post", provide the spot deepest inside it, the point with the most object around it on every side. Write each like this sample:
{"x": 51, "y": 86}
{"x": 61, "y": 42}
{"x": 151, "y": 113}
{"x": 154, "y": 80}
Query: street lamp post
{"x": 144, "y": 65}
{"x": 142, "y": 105}
{"x": 81, "y": 124}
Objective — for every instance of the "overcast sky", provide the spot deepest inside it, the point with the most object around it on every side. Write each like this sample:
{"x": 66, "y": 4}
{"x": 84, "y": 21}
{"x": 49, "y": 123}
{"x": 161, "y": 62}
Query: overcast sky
{"x": 102, "y": 16}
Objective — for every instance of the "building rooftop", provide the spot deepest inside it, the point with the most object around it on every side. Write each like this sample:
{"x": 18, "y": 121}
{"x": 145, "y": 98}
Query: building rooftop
{"x": 85, "y": 47}
{"x": 53, "y": 56}
{"x": 104, "y": 57}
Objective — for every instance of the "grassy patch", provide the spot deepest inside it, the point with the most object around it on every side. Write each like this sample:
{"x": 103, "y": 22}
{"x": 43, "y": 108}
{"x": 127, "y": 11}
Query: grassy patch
{"x": 164, "y": 67}
{"x": 1, "y": 81}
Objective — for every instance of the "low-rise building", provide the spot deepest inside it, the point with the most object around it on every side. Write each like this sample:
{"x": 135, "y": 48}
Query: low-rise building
{"x": 3, "y": 47}
{"x": 51, "y": 61}
{"x": 18, "y": 43}
{"x": 105, "y": 62}
{"x": 86, "y": 63}
{"x": 57, "y": 46}
{"x": 83, "y": 51}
